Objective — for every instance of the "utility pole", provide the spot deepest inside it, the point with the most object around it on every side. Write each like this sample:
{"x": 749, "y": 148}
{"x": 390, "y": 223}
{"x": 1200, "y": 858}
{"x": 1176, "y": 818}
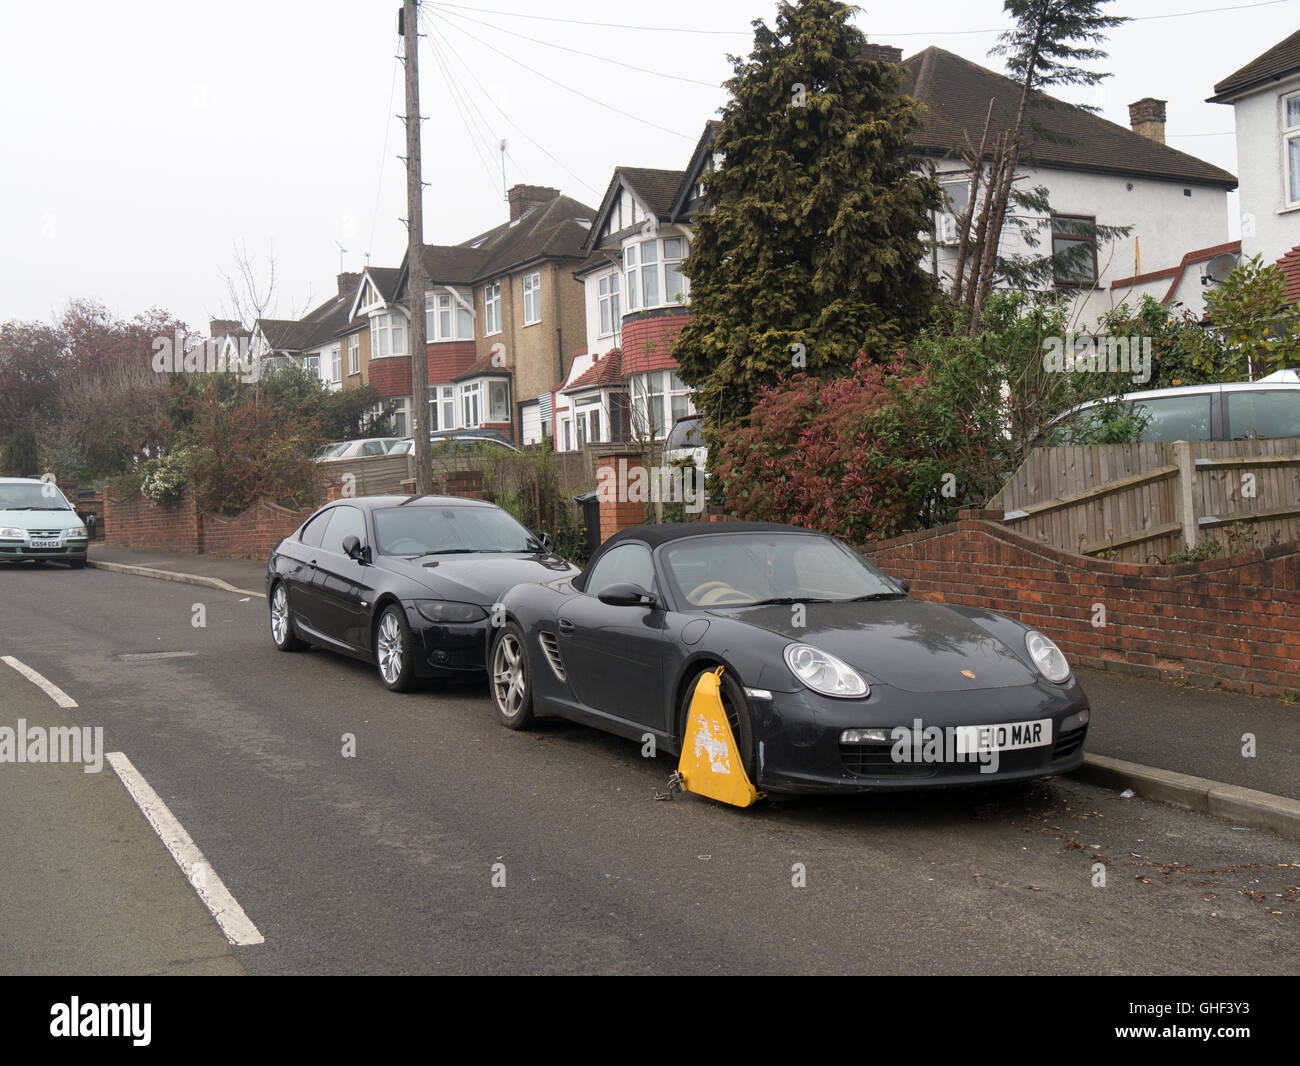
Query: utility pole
{"x": 409, "y": 27}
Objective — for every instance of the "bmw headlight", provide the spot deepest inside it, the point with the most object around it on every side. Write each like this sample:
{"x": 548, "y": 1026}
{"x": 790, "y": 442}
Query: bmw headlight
{"x": 447, "y": 611}
{"x": 1047, "y": 657}
{"x": 824, "y": 673}
{"x": 11, "y": 531}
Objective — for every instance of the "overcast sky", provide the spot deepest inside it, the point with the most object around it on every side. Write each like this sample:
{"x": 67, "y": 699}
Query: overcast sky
{"x": 144, "y": 141}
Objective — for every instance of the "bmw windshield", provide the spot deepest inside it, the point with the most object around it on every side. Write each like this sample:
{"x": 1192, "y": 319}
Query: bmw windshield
{"x": 415, "y": 531}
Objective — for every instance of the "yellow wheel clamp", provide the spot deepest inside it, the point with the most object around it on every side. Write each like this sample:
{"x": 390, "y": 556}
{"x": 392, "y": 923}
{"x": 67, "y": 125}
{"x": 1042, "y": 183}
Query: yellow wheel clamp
{"x": 711, "y": 764}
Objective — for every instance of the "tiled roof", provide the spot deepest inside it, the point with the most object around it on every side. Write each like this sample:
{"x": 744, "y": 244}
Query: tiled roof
{"x": 606, "y": 372}
{"x": 1290, "y": 264}
{"x": 1280, "y": 60}
{"x": 656, "y": 188}
{"x": 385, "y": 279}
{"x": 957, "y": 93}
{"x": 1200, "y": 255}
{"x": 316, "y": 328}
{"x": 483, "y": 367}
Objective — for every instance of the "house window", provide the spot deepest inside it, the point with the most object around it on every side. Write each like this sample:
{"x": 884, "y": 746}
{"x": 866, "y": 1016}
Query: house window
{"x": 446, "y": 318}
{"x": 498, "y": 401}
{"x": 654, "y": 273}
{"x": 401, "y": 416}
{"x": 336, "y": 364}
{"x": 679, "y": 398}
{"x": 589, "y": 426}
{"x": 659, "y": 399}
{"x": 567, "y": 434}
{"x": 956, "y": 195}
{"x": 1291, "y": 137}
{"x": 354, "y": 354}
{"x": 608, "y": 288}
{"x": 442, "y": 407}
{"x": 312, "y": 364}
{"x": 633, "y": 277}
{"x": 469, "y": 404}
{"x": 532, "y": 299}
{"x": 388, "y": 335}
{"x": 492, "y": 309}
{"x": 1074, "y": 249}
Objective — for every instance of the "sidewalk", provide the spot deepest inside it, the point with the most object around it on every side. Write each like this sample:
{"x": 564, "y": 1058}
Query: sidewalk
{"x": 244, "y": 575}
{"x": 1163, "y": 741}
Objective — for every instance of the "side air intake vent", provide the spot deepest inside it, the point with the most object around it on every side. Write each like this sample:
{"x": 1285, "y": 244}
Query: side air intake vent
{"x": 552, "y": 649}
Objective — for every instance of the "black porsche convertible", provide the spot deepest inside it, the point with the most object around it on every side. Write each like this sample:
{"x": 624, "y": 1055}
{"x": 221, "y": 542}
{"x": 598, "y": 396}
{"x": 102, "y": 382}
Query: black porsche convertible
{"x": 405, "y": 582}
{"x": 834, "y": 678}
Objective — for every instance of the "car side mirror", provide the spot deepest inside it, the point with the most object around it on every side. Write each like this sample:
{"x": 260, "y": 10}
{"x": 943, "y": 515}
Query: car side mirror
{"x": 625, "y": 594}
{"x": 546, "y": 542}
{"x": 903, "y": 583}
{"x": 353, "y": 550}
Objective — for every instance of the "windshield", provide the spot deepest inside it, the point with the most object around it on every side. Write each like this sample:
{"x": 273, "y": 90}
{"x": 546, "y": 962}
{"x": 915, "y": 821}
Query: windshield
{"x": 32, "y": 496}
{"x": 331, "y": 450}
{"x": 686, "y": 435}
{"x": 752, "y": 568}
{"x": 415, "y": 530}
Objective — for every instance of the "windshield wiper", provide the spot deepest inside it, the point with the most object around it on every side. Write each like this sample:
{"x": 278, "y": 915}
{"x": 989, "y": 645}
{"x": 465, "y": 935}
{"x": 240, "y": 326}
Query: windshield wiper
{"x": 780, "y": 600}
{"x": 876, "y": 596}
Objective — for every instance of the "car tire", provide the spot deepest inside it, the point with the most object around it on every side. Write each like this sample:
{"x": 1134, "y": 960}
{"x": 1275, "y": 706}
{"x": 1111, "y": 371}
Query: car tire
{"x": 737, "y": 711}
{"x": 394, "y": 654}
{"x": 282, "y": 634}
{"x": 510, "y": 676}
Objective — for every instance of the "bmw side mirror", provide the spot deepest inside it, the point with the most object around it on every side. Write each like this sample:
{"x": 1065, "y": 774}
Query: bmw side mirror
{"x": 903, "y": 583}
{"x": 548, "y": 545}
{"x": 625, "y": 594}
{"x": 353, "y": 550}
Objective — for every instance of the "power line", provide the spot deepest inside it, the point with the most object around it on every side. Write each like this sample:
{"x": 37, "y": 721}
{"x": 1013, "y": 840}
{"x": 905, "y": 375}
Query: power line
{"x": 589, "y": 55}
{"x": 877, "y": 36}
{"x": 569, "y": 88}
{"x": 514, "y": 125}
{"x": 473, "y": 133}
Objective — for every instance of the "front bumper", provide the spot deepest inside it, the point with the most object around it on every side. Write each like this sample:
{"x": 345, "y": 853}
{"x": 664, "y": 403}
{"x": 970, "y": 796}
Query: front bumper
{"x": 16, "y": 551}
{"x": 798, "y": 735}
{"x": 448, "y": 649}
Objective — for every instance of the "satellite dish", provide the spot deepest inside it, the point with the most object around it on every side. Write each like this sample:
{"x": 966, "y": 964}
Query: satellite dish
{"x": 1217, "y": 269}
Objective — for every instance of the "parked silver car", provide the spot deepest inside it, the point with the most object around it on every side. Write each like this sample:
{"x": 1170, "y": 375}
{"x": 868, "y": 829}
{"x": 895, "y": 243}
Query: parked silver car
{"x": 38, "y": 522}
{"x": 352, "y": 449}
{"x": 1251, "y": 410}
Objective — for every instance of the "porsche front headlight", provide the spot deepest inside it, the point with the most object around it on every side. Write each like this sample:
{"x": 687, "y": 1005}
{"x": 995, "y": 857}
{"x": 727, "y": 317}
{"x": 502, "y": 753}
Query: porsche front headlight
{"x": 1047, "y": 657}
{"x": 824, "y": 673}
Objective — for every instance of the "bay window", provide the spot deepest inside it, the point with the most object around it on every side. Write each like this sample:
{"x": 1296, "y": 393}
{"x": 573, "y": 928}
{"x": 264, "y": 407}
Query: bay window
{"x": 498, "y": 401}
{"x": 469, "y": 404}
{"x": 659, "y": 399}
{"x": 653, "y": 270}
{"x": 447, "y": 318}
{"x": 442, "y": 407}
{"x": 387, "y": 335}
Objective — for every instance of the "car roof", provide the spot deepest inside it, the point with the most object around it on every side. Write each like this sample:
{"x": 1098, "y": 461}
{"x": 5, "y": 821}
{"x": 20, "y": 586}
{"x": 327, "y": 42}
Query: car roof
{"x": 415, "y": 501}
{"x": 655, "y": 535}
{"x": 20, "y": 481}
{"x": 1189, "y": 390}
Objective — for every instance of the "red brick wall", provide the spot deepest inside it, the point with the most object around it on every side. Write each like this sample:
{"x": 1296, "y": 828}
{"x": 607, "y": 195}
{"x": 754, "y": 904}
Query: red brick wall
{"x": 391, "y": 376}
{"x": 141, "y": 523}
{"x": 614, "y": 513}
{"x": 1232, "y": 623}
{"x": 250, "y": 535}
{"x": 648, "y": 342}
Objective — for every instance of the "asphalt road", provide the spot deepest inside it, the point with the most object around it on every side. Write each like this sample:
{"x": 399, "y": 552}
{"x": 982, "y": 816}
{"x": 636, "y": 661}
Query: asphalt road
{"x": 384, "y": 862}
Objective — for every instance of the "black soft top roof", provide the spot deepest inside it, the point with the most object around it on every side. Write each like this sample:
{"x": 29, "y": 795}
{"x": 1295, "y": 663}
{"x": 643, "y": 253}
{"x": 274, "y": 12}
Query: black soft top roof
{"x": 670, "y": 531}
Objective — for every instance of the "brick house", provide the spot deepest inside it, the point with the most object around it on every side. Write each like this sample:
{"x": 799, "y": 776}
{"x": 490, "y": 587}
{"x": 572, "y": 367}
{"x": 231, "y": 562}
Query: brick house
{"x": 314, "y": 339}
{"x": 503, "y": 315}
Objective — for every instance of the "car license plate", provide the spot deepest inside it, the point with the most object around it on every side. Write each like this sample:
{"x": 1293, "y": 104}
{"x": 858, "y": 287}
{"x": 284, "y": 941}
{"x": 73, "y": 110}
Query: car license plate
{"x": 1008, "y": 736}
{"x": 45, "y": 544}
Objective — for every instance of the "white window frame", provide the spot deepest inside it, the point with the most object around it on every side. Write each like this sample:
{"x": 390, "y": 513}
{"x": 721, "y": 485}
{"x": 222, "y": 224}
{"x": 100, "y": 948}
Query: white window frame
{"x": 445, "y": 314}
{"x": 609, "y": 299}
{"x": 1290, "y": 136}
{"x": 492, "y": 309}
{"x": 382, "y": 330}
{"x": 532, "y": 298}
{"x": 646, "y": 279}
{"x": 471, "y": 404}
{"x": 336, "y": 364}
{"x": 493, "y": 385}
{"x": 354, "y": 353}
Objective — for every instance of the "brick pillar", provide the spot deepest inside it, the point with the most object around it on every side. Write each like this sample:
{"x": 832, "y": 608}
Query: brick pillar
{"x": 617, "y": 511}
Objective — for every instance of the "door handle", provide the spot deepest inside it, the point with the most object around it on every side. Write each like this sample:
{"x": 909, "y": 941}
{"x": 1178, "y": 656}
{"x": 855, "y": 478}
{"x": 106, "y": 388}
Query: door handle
{"x": 566, "y": 626}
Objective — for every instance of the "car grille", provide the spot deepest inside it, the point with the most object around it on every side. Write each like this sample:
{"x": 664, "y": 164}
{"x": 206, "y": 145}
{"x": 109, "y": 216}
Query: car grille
{"x": 873, "y": 760}
{"x": 1068, "y": 744}
{"x": 42, "y": 534}
{"x": 552, "y": 648}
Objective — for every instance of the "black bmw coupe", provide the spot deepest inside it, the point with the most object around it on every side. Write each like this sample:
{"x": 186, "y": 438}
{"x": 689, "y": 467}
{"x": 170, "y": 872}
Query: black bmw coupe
{"x": 406, "y": 583}
{"x": 834, "y": 680}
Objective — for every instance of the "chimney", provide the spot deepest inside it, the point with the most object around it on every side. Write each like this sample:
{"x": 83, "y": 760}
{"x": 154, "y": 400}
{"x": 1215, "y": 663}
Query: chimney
{"x": 1147, "y": 117}
{"x": 522, "y": 197}
{"x": 348, "y": 284}
{"x": 881, "y": 53}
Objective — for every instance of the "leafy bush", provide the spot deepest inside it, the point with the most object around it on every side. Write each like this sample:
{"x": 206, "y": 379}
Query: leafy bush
{"x": 164, "y": 478}
{"x": 124, "y": 485}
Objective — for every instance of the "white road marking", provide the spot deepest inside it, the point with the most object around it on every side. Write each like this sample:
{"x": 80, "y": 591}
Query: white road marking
{"x": 48, "y": 687}
{"x": 230, "y": 916}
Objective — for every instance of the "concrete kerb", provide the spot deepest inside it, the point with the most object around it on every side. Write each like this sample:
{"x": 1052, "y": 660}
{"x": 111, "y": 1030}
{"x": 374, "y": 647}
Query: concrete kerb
{"x": 1243, "y": 806}
{"x": 172, "y": 575}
